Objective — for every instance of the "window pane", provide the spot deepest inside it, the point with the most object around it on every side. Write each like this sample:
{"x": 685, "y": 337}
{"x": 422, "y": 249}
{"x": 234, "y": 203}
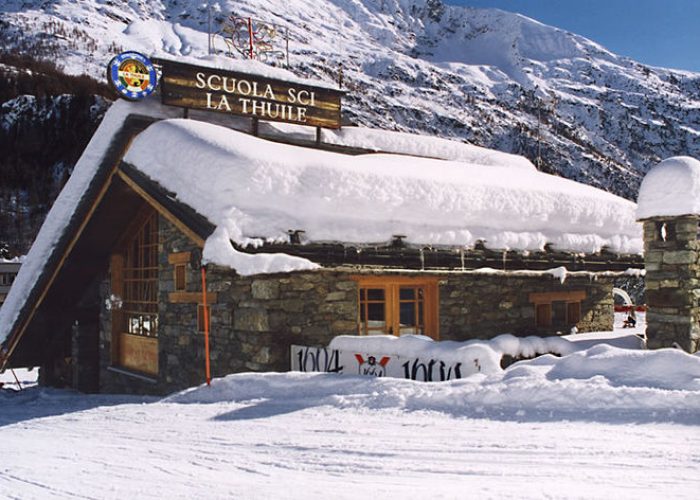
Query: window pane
{"x": 407, "y": 293}
{"x": 375, "y": 312}
{"x": 558, "y": 313}
{"x": 375, "y": 294}
{"x": 407, "y": 314}
{"x": 180, "y": 277}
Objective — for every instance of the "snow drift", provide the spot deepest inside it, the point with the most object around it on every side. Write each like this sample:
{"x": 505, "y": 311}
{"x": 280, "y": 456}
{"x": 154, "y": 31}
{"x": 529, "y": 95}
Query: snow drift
{"x": 601, "y": 382}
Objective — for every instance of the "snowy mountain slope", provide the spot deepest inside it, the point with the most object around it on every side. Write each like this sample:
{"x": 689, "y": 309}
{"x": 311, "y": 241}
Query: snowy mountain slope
{"x": 485, "y": 76}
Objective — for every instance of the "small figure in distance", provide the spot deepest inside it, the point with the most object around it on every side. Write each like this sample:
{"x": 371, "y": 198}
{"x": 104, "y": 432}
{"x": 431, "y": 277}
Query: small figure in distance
{"x": 631, "y": 320}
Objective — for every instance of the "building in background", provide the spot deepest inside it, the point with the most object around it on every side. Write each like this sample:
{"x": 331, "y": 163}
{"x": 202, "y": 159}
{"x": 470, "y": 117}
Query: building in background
{"x": 8, "y": 272}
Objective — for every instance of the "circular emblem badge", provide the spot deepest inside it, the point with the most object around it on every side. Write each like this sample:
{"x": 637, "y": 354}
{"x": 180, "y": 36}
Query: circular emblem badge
{"x": 132, "y": 75}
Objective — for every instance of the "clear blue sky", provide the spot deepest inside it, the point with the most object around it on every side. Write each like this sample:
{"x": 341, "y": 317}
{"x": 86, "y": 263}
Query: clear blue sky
{"x": 655, "y": 32}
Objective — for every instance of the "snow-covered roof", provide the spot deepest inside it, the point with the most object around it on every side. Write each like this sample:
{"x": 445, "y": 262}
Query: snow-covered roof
{"x": 251, "y": 188}
{"x": 670, "y": 188}
{"x": 390, "y": 141}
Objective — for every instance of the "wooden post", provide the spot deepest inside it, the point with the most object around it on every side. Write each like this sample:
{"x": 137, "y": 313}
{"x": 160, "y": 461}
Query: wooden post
{"x": 207, "y": 366}
{"x": 250, "y": 36}
{"x": 318, "y": 137}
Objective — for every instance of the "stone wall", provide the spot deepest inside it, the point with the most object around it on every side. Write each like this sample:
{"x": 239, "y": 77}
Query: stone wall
{"x": 255, "y": 320}
{"x": 483, "y": 305}
{"x": 672, "y": 262}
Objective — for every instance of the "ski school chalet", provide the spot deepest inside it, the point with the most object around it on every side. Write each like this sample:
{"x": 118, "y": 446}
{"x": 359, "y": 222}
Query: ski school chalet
{"x": 236, "y": 205}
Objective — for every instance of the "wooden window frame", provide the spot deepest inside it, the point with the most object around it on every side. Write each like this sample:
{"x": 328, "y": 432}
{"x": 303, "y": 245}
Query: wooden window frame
{"x": 134, "y": 351}
{"x": 180, "y": 277}
{"x": 543, "y": 302}
{"x": 179, "y": 261}
{"x": 140, "y": 274}
{"x": 392, "y": 286}
{"x": 576, "y": 313}
{"x": 200, "y": 317}
{"x": 543, "y": 315}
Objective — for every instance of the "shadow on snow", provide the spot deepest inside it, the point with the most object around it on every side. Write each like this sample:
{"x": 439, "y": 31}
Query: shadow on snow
{"x": 36, "y": 402}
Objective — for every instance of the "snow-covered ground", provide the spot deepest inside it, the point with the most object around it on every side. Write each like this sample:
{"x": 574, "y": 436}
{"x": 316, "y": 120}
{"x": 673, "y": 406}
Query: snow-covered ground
{"x": 601, "y": 423}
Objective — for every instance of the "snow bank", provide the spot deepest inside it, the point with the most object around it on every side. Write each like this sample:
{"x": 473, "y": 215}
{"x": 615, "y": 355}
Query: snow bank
{"x": 628, "y": 338}
{"x": 417, "y": 346}
{"x": 486, "y": 353}
{"x": 670, "y": 369}
{"x": 26, "y": 377}
{"x": 670, "y": 188}
{"x": 254, "y": 188}
{"x": 601, "y": 383}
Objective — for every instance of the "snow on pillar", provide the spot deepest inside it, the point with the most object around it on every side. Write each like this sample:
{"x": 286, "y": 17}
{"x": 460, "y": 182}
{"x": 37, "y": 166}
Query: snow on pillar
{"x": 669, "y": 208}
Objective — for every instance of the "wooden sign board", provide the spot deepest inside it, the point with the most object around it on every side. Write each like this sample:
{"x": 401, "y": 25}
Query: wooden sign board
{"x": 198, "y": 87}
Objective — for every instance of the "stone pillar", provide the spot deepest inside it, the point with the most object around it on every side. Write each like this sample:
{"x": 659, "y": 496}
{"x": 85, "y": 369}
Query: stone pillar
{"x": 672, "y": 261}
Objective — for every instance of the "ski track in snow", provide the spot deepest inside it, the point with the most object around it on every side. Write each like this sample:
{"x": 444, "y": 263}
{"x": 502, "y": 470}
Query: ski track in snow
{"x": 310, "y": 436}
{"x": 128, "y": 447}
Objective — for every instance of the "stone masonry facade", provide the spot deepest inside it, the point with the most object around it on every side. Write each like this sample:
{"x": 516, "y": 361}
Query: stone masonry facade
{"x": 255, "y": 319}
{"x": 482, "y": 306}
{"x": 672, "y": 261}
